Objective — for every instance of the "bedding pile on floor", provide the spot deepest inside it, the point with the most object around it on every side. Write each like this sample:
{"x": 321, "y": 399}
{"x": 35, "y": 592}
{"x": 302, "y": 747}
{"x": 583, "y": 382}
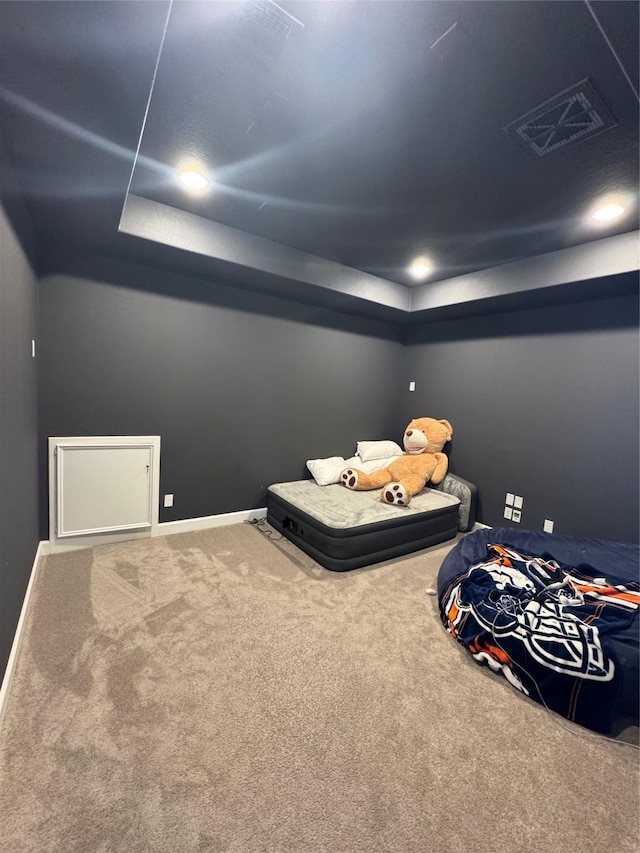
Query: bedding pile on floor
{"x": 554, "y": 630}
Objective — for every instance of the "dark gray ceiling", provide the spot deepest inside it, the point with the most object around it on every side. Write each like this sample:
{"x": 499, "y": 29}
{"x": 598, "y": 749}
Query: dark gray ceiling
{"x": 360, "y": 133}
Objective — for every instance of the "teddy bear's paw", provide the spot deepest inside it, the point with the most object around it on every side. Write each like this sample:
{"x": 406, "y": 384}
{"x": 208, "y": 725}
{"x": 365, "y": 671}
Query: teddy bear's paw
{"x": 350, "y": 478}
{"x": 395, "y": 493}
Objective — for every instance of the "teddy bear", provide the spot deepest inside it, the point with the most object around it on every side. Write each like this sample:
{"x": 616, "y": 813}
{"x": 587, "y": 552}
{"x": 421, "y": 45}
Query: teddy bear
{"x": 423, "y": 461}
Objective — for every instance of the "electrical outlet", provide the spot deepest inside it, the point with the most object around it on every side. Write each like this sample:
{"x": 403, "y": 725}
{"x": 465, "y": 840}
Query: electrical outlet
{"x": 412, "y": 386}
{"x": 168, "y": 500}
{"x": 516, "y": 516}
{"x": 548, "y": 525}
{"x": 509, "y": 499}
{"x": 518, "y": 501}
{"x": 507, "y": 512}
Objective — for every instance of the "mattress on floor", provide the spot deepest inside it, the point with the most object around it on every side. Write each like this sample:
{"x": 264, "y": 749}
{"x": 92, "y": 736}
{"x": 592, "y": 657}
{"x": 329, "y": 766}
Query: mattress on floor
{"x": 345, "y": 530}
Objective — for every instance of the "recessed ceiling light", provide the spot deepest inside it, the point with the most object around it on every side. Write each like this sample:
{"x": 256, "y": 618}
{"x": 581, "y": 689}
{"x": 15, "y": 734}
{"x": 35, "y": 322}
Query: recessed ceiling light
{"x": 607, "y": 212}
{"x": 193, "y": 180}
{"x": 420, "y": 268}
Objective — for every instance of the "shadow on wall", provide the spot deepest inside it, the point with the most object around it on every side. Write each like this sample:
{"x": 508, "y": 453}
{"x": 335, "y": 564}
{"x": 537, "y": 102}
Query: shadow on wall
{"x": 578, "y": 307}
{"x": 225, "y": 286}
{"x": 14, "y": 206}
{"x": 242, "y": 387}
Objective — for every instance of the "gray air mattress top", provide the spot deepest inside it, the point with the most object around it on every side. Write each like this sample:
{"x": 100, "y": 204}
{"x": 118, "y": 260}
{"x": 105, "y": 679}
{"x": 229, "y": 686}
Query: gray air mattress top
{"x": 339, "y": 508}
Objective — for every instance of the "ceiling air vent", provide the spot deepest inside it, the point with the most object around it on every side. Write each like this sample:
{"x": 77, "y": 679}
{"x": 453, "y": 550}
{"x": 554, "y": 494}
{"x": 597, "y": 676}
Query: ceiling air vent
{"x": 264, "y": 28}
{"x": 572, "y": 115}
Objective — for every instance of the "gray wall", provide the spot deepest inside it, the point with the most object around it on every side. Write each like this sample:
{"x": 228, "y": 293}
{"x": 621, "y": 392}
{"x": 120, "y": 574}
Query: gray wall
{"x": 241, "y": 387}
{"x": 244, "y": 387}
{"x": 544, "y": 404}
{"x": 18, "y": 414}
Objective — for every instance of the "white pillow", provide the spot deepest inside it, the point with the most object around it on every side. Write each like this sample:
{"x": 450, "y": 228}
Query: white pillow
{"x": 368, "y": 450}
{"x": 327, "y": 471}
{"x": 370, "y": 466}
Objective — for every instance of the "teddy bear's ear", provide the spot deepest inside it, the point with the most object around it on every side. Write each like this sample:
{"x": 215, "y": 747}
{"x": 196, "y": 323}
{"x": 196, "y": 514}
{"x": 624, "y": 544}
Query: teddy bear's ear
{"x": 448, "y": 427}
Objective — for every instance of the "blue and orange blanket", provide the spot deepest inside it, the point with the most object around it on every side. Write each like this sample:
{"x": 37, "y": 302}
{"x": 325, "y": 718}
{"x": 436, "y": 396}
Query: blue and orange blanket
{"x": 549, "y": 628}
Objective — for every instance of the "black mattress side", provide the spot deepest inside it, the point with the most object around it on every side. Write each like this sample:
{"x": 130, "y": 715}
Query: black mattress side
{"x": 362, "y": 529}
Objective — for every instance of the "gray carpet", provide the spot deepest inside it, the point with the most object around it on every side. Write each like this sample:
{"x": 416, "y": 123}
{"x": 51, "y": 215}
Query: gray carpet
{"x": 219, "y": 691}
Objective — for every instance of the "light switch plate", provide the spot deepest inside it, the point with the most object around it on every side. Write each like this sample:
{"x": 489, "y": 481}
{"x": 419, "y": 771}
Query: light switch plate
{"x": 168, "y": 500}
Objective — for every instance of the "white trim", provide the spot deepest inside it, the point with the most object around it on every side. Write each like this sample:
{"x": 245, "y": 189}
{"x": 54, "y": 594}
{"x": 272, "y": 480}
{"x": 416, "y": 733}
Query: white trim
{"x": 96, "y": 539}
{"x": 165, "y": 528}
{"x": 479, "y": 526}
{"x": 63, "y": 540}
{"x": 204, "y": 522}
{"x": 143, "y": 525}
{"x": 42, "y": 549}
{"x": 64, "y": 449}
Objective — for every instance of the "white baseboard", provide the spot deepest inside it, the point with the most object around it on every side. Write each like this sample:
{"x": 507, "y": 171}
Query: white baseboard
{"x": 188, "y": 524}
{"x": 79, "y": 543}
{"x": 479, "y": 526}
{"x": 42, "y": 549}
{"x": 164, "y": 528}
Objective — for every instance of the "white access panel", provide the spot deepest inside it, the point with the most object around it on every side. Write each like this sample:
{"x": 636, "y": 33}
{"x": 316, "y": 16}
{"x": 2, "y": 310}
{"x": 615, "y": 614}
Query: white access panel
{"x": 103, "y": 485}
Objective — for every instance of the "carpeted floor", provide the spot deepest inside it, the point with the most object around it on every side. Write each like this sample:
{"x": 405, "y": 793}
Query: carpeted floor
{"x": 218, "y": 691}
